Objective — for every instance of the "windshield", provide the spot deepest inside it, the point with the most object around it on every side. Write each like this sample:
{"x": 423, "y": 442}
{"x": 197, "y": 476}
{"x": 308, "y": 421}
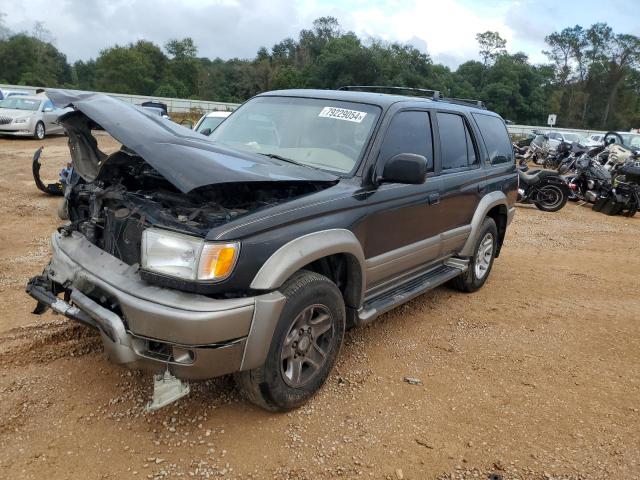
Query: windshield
{"x": 210, "y": 123}
{"x": 326, "y": 134}
{"x": 17, "y": 103}
{"x": 631, "y": 140}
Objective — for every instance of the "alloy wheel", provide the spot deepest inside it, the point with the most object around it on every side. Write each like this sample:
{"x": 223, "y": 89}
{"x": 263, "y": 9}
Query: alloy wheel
{"x": 40, "y": 131}
{"x": 306, "y": 346}
{"x": 483, "y": 256}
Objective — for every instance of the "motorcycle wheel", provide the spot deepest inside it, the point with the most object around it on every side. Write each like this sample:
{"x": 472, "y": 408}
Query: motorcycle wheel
{"x": 632, "y": 208}
{"x": 551, "y": 198}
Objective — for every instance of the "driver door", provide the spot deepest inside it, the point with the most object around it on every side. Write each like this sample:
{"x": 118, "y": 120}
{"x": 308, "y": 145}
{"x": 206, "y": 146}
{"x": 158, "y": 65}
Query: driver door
{"x": 404, "y": 221}
{"x": 50, "y": 116}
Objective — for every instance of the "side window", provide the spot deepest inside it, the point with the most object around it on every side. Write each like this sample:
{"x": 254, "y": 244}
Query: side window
{"x": 456, "y": 144}
{"x": 496, "y": 138}
{"x": 46, "y": 105}
{"x": 409, "y": 132}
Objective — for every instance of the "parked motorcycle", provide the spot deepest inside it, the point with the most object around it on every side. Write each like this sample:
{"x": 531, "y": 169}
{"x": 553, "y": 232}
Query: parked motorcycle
{"x": 590, "y": 181}
{"x": 568, "y": 165}
{"x": 624, "y": 197}
{"x": 539, "y": 148}
{"x": 554, "y": 160}
{"x": 544, "y": 188}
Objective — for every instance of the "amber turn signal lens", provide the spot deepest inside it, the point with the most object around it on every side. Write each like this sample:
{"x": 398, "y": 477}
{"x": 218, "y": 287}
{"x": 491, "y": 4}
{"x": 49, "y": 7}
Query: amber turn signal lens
{"x": 217, "y": 261}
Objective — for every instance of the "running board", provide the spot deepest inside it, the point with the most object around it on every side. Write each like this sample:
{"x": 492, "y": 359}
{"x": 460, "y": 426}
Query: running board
{"x": 387, "y": 300}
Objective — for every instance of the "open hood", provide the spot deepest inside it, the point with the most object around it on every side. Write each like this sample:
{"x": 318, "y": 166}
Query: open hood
{"x": 185, "y": 158}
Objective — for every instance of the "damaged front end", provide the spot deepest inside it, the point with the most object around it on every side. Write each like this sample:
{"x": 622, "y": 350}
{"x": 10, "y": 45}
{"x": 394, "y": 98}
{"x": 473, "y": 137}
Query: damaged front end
{"x": 165, "y": 177}
{"x": 164, "y": 182}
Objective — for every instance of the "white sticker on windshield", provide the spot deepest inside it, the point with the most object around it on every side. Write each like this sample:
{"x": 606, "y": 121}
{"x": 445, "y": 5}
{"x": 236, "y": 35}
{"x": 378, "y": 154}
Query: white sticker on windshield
{"x": 343, "y": 114}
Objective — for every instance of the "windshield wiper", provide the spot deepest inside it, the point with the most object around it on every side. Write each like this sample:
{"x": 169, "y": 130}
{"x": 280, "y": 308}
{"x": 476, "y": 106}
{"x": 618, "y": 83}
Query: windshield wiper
{"x": 284, "y": 159}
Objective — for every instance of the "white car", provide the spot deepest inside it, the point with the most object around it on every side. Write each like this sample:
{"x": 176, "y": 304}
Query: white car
{"x": 29, "y": 116}
{"x": 593, "y": 140}
{"x": 11, "y": 93}
{"x": 210, "y": 121}
{"x": 555, "y": 138}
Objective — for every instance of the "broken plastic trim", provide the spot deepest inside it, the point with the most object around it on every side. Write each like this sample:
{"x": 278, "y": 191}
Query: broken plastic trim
{"x": 166, "y": 389}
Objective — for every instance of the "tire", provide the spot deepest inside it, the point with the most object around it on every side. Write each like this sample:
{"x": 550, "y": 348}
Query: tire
{"x": 555, "y": 197}
{"x": 39, "y": 132}
{"x": 631, "y": 208}
{"x": 480, "y": 263}
{"x": 279, "y": 386}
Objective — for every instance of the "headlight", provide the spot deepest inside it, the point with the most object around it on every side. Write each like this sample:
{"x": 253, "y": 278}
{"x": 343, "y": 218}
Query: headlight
{"x": 22, "y": 120}
{"x": 187, "y": 257}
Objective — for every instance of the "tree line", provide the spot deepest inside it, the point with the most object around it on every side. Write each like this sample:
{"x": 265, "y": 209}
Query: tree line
{"x": 592, "y": 79}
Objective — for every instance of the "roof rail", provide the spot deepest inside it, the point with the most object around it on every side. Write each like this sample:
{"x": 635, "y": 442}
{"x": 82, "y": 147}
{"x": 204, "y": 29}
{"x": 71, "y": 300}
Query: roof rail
{"x": 421, "y": 92}
{"x": 424, "y": 92}
{"x": 465, "y": 101}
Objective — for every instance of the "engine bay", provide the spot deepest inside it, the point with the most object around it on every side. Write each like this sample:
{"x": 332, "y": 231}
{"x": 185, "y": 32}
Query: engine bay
{"x": 129, "y": 195}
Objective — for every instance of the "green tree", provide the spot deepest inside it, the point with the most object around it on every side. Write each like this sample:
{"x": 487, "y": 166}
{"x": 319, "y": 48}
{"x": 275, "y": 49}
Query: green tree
{"x": 26, "y": 60}
{"x": 183, "y": 68}
{"x": 492, "y": 45}
{"x": 135, "y": 68}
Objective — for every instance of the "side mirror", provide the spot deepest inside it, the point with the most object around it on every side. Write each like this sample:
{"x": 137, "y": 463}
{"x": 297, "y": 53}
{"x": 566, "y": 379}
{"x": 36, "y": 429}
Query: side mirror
{"x": 405, "y": 168}
{"x": 206, "y": 132}
{"x": 47, "y": 109}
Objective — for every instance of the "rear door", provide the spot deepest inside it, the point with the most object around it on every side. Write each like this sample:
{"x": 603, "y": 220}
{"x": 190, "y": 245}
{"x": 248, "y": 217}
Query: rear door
{"x": 462, "y": 176}
{"x": 500, "y": 161}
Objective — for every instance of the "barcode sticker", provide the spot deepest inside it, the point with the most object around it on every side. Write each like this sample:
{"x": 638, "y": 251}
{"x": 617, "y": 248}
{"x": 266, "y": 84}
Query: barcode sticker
{"x": 343, "y": 114}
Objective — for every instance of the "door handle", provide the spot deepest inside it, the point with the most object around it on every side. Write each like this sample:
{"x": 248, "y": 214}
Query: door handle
{"x": 434, "y": 198}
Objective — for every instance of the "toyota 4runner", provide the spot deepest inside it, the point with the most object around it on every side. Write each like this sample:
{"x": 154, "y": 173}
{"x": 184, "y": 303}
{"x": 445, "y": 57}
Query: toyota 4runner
{"x": 306, "y": 212}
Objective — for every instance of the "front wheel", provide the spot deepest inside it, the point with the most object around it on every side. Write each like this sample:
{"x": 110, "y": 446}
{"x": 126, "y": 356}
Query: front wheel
{"x": 304, "y": 347}
{"x": 482, "y": 261}
{"x": 551, "y": 197}
{"x": 39, "y": 131}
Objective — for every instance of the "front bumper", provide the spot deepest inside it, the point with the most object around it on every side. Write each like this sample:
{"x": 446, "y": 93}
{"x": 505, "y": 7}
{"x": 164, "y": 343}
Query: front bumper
{"x": 153, "y": 328}
{"x": 20, "y": 129}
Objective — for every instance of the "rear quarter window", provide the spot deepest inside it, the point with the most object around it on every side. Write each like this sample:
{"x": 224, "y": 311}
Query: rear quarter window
{"x": 496, "y": 138}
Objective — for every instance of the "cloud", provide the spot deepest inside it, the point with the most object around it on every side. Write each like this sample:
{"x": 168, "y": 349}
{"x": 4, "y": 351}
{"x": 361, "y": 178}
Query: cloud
{"x": 220, "y": 28}
{"x": 237, "y": 28}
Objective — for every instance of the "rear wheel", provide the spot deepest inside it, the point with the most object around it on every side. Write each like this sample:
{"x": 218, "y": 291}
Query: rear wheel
{"x": 551, "y": 197}
{"x": 39, "y": 131}
{"x": 631, "y": 208}
{"x": 304, "y": 346}
{"x": 482, "y": 261}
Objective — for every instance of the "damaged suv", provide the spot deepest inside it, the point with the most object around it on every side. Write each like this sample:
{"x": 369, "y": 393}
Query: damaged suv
{"x": 251, "y": 251}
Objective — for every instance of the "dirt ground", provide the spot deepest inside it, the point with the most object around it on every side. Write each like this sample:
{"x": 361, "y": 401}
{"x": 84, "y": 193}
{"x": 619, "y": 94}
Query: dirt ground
{"x": 535, "y": 376}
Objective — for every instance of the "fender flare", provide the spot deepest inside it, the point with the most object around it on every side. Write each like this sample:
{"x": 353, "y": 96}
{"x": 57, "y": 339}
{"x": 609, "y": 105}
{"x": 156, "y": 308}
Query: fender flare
{"x": 488, "y": 202}
{"x": 303, "y": 250}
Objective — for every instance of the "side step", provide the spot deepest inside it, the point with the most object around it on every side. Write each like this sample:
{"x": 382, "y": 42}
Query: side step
{"x": 389, "y": 299}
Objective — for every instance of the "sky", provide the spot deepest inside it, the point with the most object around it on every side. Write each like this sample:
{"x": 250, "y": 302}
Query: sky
{"x": 445, "y": 29}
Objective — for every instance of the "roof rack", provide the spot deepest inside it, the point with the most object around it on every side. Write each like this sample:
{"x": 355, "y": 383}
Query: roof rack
{"x": 465, "y": 101}
{"x": 418, "y": 92}
{"x": 433, "y": 94}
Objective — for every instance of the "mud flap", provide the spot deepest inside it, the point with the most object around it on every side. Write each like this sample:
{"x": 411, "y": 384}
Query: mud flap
{"x": 166, "y": 389}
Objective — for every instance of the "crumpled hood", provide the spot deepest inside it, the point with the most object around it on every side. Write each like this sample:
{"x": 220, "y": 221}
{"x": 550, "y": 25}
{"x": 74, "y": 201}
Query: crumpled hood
{"x": 185, "y": 158}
